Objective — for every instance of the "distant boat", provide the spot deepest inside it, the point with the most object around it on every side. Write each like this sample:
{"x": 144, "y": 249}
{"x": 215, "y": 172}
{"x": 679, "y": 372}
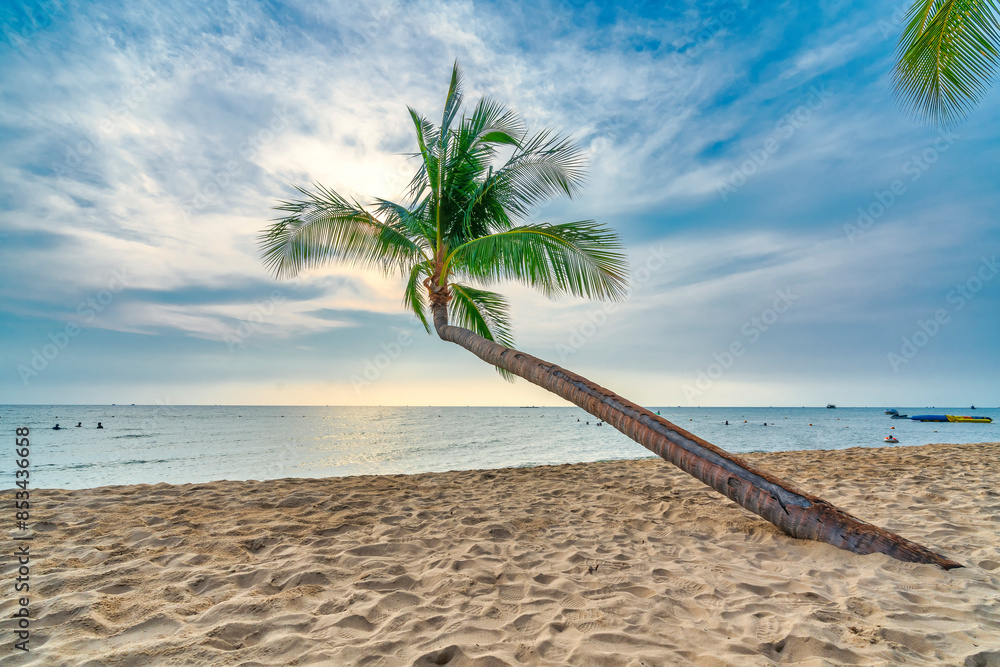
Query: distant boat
{"x": 898, "y": 416}
{"x": 831, "y": 406}
{"x": 973, "y": 407}
{"x": 892, "y": 412}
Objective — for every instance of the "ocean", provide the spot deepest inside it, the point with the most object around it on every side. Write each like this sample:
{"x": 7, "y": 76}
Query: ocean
{"x": 146, "y": 444}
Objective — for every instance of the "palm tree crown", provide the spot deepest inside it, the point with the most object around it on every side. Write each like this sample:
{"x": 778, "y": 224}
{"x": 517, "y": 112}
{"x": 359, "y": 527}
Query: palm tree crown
{"x": 463, "y": 227}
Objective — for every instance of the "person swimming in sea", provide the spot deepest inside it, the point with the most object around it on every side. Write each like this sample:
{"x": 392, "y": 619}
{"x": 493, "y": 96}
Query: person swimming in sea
{"x": 79, "y": 424}
{"x": 57, "y": 428}
{"x": 99, "y": 425}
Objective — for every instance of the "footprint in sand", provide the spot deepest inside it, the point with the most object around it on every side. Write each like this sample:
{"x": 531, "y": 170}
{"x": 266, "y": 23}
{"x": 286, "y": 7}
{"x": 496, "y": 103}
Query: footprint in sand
{"x": 767, "y": 628}
{"x": 674, "y": 583}
{"x": 527, "y": 624}
{"x": 860, "y": 607}
{"x": 501, "y": 612}
{"x": 554, "y": 650}
{"x": 514, "y": 593}
{"x": 584, "y": 619}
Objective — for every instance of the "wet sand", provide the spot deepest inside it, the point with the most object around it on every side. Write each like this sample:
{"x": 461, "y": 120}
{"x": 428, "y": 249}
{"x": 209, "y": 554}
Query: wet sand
{"x": 597, "y": 564}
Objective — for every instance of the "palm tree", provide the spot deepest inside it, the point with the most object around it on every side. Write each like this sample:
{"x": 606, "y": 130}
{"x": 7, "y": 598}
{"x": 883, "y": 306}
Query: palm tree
{"x": 463, "y": 229}
{"x": 947, "y": 55}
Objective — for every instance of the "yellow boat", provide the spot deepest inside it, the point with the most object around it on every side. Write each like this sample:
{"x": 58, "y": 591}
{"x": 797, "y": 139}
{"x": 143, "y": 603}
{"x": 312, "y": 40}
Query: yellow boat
{"x": 977, "y": 420}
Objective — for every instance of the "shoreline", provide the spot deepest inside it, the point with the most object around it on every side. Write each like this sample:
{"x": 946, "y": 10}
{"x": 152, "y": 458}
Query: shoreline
{"x": 623, "y": 562}
{"x": 749, "y": 456}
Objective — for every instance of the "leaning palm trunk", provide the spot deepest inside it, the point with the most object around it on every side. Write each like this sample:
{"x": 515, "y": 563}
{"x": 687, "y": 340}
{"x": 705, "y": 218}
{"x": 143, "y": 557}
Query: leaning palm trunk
{"x": 797, "y": 513}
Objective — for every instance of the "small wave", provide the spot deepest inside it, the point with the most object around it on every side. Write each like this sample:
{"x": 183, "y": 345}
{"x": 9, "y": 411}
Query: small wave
{"x": 72, "y": 466}
{"x": 60, "y": 466}
{"x": 132, "y": 435}
{"x": 102, "y": 464}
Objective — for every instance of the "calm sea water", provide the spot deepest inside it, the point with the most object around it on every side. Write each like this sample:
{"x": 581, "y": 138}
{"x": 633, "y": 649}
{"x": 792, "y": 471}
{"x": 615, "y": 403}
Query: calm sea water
{"x": 181, "y": 444}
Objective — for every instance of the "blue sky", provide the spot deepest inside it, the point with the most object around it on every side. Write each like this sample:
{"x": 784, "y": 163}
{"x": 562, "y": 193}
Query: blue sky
{"x": 795, "y": 239}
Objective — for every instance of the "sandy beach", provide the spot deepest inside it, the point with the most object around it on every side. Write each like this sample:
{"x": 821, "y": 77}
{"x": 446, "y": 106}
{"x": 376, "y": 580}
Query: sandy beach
{"x": 619, "y": 563}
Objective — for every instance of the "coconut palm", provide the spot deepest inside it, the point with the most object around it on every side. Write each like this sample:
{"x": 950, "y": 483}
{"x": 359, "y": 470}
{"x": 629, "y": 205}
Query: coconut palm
{"x": 464, "y": 228}
{"x": 947, "y": 56}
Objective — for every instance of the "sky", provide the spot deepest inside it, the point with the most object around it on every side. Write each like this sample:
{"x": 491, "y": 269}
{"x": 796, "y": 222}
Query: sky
{"x": 795, "y": 238}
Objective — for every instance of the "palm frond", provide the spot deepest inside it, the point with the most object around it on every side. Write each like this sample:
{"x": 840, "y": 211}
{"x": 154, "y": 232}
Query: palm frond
{"x": 490, "y": 124}
{"x": 427, "y": 141}
{"x": 415, "y": 296}
{"x": 413, "y": 220}
{"x": 947, "y": 55}
{"x": 452, "y": 103}
{"x": 325, "y": 226}
{"x": 493, "y": 122}
{"x": 544, "y": 166}
{"x": 580, "y": 258}
{"x": 420, "y": 184}
{"x": 486, "y": 313}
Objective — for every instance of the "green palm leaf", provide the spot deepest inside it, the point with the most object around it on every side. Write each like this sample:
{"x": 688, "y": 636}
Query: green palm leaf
{"x": 542, "y": 167}
{"x": 427, "y": 141}
{"x": 947, "y": 56}
{"x": 580, "y": 258}
{"x": 415, "y": 295}
{"x": 324, "y": 227}
{"x": 452, "y": 102}
{"x": 486, "y": 313}
{"x": 413, "y": 220}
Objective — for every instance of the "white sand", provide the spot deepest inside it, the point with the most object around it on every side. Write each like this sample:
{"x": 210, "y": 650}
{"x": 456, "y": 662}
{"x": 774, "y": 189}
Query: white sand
{"x": 621, "y": 563}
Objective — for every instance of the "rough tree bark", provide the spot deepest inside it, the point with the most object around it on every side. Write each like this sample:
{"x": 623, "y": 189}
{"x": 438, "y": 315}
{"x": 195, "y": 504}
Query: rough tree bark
{"x": 795, "y": 512}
